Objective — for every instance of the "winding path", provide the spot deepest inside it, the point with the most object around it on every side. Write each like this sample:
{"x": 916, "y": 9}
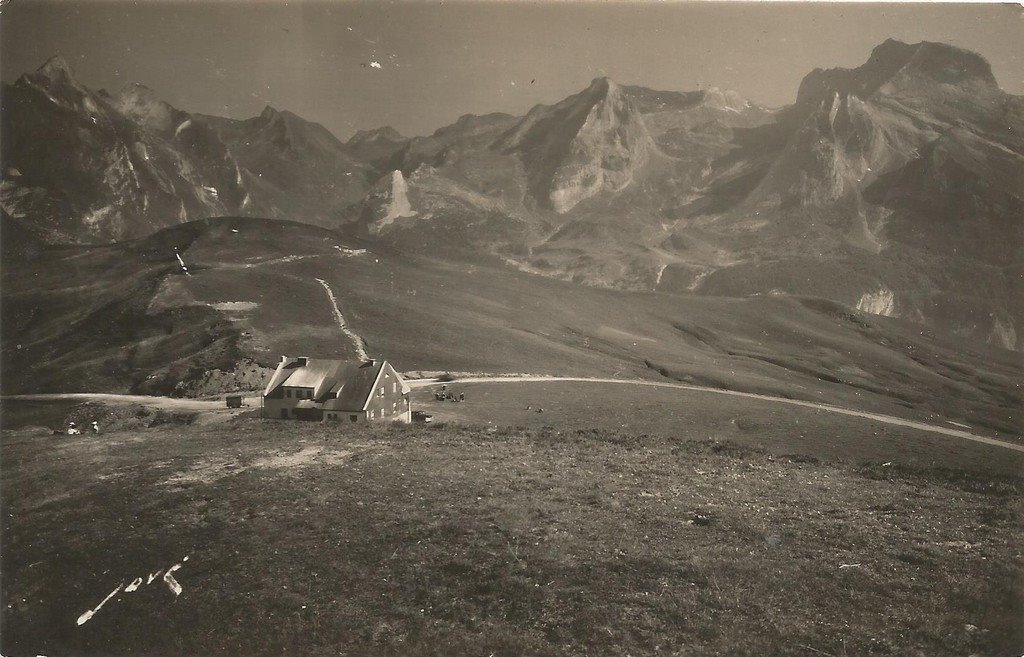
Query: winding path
{"x": 357, "y": 341}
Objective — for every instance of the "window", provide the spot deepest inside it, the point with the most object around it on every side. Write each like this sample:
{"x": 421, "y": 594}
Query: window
{"x": 372, "y": 414}
{"x": 353, "y": 418}
{"x": 382, "y": 391}
{"x": 394, "y": 387}
{"x": 287, "y": 392}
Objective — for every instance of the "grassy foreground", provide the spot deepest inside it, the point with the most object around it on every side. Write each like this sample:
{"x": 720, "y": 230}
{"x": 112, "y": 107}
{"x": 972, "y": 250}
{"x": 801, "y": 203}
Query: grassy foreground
{"x": 451, "y": 540}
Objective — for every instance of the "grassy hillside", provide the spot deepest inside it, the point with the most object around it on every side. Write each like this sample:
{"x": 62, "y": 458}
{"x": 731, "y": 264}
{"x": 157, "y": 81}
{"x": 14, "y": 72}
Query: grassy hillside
{"x": 462, "y": 541}
{"x": 779, "y": 429}
{"x": 127, "y": 318}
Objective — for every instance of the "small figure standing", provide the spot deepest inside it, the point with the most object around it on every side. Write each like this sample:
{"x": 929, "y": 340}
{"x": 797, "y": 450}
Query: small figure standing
{"x": 462, "y": 396}
{"x": 95, "y": 426}
{"x": 73, "y": 429}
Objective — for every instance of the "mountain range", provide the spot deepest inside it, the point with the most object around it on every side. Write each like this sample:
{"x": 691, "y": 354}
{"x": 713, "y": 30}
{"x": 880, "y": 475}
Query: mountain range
{"x": 896, "y": 187}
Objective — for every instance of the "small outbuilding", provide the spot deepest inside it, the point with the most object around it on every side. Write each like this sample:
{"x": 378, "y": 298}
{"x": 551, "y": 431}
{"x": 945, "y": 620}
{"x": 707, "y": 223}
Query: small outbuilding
{"x": 326, "y": 390}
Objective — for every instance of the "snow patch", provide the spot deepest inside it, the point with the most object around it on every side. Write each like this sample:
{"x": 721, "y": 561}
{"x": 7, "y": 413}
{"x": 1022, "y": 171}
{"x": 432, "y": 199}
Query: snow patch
{"x": 395, "y": 202}
{"x": 697, "y": 280}
{"x": 93, "y": 219}
{"x": 661, "y": 272}
{"x": 833, "y": 111}
{"x": 228, "y": 306}
{"x": 1003, "y": 333}
{"x": 184, "y": 124}
{"x": 880, "y": 302}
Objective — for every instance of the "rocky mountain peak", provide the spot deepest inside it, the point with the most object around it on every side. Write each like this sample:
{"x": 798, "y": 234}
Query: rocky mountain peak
{"x": 603, "y": 87}
{"x": 269, "y": 113}
{"x": 937, "y": 62}
{"x": 725, "y": 99}
{"x": 55, "y": 74}
{"x": 386, "y": 133}
{"x": 56, "y": 68}
{"x": 896, "y": 65}
{"x": 56, "y": 80}
{"x": 145, "y": 108}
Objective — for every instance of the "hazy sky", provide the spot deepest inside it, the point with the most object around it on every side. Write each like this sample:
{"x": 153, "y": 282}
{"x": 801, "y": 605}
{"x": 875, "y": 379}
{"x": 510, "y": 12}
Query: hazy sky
{"x": 440, "y": 60}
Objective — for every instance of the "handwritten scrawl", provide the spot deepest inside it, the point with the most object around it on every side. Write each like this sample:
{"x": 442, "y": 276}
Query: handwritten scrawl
{"x": 135, "y": 584}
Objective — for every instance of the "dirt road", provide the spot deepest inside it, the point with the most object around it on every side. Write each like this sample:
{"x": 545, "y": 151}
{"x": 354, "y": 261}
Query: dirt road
{"x": 171, "y": 403}
{"x": 160, "y": 403}
{"x": 877, "y": 417}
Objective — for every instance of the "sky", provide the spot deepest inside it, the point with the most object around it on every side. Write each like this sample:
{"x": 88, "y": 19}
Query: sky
{"x": 417, "y": 66}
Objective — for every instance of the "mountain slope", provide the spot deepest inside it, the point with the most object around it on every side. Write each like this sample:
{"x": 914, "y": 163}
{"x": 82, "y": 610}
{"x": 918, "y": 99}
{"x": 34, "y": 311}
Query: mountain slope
{"x": 590, "y": 142}
{"x": 378, "y": 146}
{"x": 895, "y": 186}
{"x": 294, "y": 169}
{"x": 902, "y": 178}
{"x": 898, "y": 180}
{"x": 77, "y": 169}
{"x": 253, "y": 293}
{"x": 85, "y": 166}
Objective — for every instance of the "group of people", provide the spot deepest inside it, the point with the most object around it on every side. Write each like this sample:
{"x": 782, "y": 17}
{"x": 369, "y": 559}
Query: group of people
{"x": 73, "y": 429}
{"x": 445, "y": 395}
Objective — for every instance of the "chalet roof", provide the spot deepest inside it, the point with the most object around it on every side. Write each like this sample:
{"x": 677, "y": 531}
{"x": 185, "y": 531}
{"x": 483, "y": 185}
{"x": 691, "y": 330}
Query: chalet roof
{"x": 352, "y": 382}
{"x": 353, "y": 392}
{"x": 310, "y": 376}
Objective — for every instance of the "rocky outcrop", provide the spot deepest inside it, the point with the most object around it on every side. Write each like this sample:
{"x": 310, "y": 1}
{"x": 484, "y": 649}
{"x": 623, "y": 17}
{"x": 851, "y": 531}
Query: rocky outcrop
{"x": 606, "y": 153}
{"x": 592, "y": 142}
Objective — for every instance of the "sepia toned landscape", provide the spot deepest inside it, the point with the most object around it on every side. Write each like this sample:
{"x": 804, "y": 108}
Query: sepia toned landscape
{"x": 598, "y": 366}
